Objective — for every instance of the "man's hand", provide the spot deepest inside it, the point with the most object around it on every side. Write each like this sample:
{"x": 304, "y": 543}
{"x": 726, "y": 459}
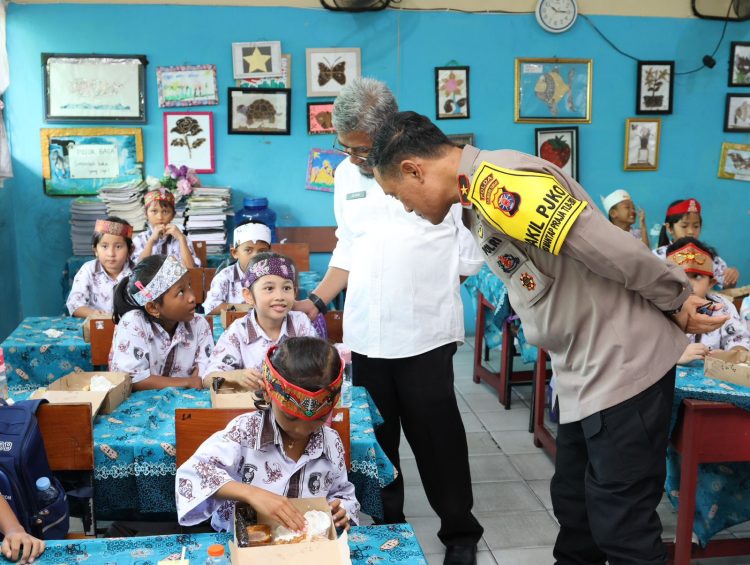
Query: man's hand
{"x": 691, "y": 322}
{"x": 307, "y": 307}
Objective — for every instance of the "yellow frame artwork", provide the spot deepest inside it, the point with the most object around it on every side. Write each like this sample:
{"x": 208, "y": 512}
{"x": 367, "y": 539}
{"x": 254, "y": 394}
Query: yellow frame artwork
{"x": 553, "y": 87}
{"x": 743, "y": 162}
{"x": 641, "y": 164}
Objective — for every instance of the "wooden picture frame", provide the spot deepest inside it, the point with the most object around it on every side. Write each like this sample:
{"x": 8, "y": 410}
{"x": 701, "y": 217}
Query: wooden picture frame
{"x": 259, "y": 111}
{"x": 734, "y": 163}
{"x": 192, "y": 85}
{"x": 655, "y": 87}
{"x": 452, "y": 93}
{"x": 553, "y": 90}
{"x": 737, "y": 113}
{"x": 330, "y": 69}
{"x": 739, "y": 63}
{"x": 189, "y": 140}
{"x": 559, "y": 146}
{"x": 642, "y": 137}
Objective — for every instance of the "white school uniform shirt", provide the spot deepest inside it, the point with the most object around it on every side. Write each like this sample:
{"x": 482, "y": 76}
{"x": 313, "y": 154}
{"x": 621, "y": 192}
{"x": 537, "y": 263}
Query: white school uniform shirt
{"x": 163, "y": 246}
{"x": 745, "y": 312}
{"x": 733, "y": 333}
{"x": 403, "y": 296}
{"x": 719, "y": 264}
{"x": 143, "y": 348}
{"x": 244, "y": 343}
{"x": 250, "y": 450}
{"x": 93, "y": 287}
{"x": 226, "y": 286}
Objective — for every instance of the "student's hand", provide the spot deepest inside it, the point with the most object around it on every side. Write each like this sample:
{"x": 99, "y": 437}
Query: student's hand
{"x": 194, "y": 380}
{"x": 693, "y": 352}
{"x": 156, "y": 233}
{"x": 340, "y": 517}
{"x": 642, "y": 217}
{"x": 15, "y": 540}
{"x": 307, "y": 307}
{"x": 731, "y": 275}
{"x": 276, "y": 507}
{"x": 174, "y": 231}
{"x": 249, "y": 379}
{"x": 691, "y": 322}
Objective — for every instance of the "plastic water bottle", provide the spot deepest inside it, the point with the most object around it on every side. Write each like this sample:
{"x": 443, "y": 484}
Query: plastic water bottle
{"x": 46, "y": 494}
{"x": 257, "y": 209}
{"x": 216, "y": 555}
{"x": 3, "y": 379}
{"x": 346, "y": 384}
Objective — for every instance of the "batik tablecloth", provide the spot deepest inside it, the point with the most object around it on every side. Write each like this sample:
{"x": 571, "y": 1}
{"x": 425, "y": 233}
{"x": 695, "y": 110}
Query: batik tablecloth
{"x": 395, "y": 545}
{"x": 494, "y": 291}
{"x": 34, "y": 359}
{"x": 135, "y": 453}
{"x": 722, "y": 497}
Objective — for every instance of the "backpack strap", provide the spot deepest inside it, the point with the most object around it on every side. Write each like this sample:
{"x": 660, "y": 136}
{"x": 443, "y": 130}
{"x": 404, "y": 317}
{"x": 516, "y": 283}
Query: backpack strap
{"x": 31, "y": 405}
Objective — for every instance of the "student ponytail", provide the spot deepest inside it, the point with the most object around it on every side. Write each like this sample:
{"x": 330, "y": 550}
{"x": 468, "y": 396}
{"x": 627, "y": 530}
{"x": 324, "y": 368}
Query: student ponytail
{"x": 123, "y": 294}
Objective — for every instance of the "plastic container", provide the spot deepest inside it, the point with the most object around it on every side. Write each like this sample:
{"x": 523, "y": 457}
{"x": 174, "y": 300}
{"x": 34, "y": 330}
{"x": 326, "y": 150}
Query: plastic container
{"x": 257, "y": 209}
{"x": 216, "y": 555}
{"x": 3, "y": 378}
{"x": 346, "y": 384}
{"x": 46, "y": 494}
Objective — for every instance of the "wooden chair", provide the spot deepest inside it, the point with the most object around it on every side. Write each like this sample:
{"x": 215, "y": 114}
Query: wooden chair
{"x": 208, "y": 277}
{"x": 200, "y": 252}
{"x": 101, "y": 332}
{"x": 320, "y": 239}
{"x": 297, "y": 252}
{"x": 196, "y": 283}
{"x": 335, "y": 326}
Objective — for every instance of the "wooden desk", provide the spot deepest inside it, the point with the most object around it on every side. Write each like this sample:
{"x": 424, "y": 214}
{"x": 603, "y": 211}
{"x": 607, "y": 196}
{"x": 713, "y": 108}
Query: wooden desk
{"x": 101, "y": 332}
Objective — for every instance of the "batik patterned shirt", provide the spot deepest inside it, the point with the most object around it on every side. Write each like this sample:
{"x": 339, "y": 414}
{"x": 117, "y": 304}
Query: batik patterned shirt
{"x": 733, "y": 333}
{"x": 164, "y": 246}
{"x": 250, "y": 450}
{"x": 144, "y": 348}
{"x": 93, "y": 287}
{"x": 719, "y": 264}
{"x": 226, "y": 286}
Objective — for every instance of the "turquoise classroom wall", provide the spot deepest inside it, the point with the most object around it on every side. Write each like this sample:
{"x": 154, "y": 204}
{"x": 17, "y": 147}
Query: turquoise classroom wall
{"x": 401, "y": 49}
{"x": 9, "y": 308}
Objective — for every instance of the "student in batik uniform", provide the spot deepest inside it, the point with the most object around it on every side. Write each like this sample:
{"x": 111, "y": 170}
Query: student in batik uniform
{"x": 159, "y": 340}
{"x": 264, "y": 457}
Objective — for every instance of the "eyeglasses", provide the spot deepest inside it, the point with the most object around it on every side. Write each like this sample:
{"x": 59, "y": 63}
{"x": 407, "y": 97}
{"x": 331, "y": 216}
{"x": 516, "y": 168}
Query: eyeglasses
{"x": 358, "y": 152}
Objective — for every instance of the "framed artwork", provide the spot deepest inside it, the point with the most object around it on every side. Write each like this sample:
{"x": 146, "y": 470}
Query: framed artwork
{"x": 735, "y": 161}
{"x": 283, "y": 80}
{"x": 320, "y": 167}
{"x": 559, "y": 146}
{"x": 264, "y": 111}
{"x": 655, "y": 87}
{"x": 737, "y": 113}
{"x": 187, "y": 86}
{"x": 328, "y": 70}
{"x": 553, "y": 90}
{"x": 452, "y": 92}
{"x": 94, "y": 88}
{"x": 461, "y": 139}
{"x": 257, "y": 59}
{"x": 642, "y": 144}
{"x": 189, "y": 140}
{"x": 320, "y": 118}
{"x": 79, "y": 161}
{"x": 739, "y": 64}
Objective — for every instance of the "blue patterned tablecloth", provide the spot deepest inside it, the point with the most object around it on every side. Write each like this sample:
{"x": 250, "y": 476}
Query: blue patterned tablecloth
{"x": 722, "y": 496}
{"x": 496, "y": 294}
{"x": 395, "y": 544}
{"x": 34, "y": 359}
{"x": 135, "y": 453}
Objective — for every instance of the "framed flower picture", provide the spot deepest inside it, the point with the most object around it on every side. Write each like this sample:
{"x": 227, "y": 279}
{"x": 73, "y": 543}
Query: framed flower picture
{"x": 642, "y": 144}
{"x": 655, "y": 87}
{"x": 329, "y": 70}
{"x": 187, "y": 86}
{"x": 739, "y": 64}
{"x": 452, "y": 92}
{"x": 320, "y": 118}
{"x": 260, "y": 111}
{"x": 553, "y": 90}
{"x": 257, "y": 59}
{"x": 461, "y": 139}
{"x": 559, "y": 146}
{"x": 189, "y": 140}
{"x": 735, "y": 161}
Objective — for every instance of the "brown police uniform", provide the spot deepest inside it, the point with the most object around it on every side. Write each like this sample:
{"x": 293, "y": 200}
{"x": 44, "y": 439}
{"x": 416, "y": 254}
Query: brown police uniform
{"x": 593, "y": 297}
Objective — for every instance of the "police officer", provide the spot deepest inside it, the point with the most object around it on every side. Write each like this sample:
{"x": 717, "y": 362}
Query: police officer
{"x": 611, "y": 316}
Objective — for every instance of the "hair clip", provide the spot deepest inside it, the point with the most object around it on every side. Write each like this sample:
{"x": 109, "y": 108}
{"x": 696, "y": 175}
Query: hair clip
{"x": 144, "y": 292}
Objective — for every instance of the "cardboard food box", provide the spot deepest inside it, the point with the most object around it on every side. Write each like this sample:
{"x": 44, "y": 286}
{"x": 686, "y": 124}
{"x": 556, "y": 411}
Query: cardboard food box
{"x": 86, "y": 326}
{"x": 229, "y": 315}
{"x": 332, "y": 551}
{"x": 72, "y": 389}
{"x": 231, "y": 395}
{"x": 730, "y": 366}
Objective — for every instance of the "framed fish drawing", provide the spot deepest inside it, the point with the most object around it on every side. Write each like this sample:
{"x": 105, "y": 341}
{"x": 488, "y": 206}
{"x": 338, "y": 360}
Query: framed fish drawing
{"x": 329, "y": 70}
{"x": 553, "y": 90}
{"x": 320, "y": 118}
{"x": 452, "y": 92}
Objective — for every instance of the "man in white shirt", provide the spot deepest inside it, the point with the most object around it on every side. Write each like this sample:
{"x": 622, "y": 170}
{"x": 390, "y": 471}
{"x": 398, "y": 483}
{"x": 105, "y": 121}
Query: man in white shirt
{"x": 403, "y": 319}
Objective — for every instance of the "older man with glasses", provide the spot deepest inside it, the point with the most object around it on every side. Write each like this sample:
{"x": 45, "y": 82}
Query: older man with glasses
{"x": 403, "y": 319}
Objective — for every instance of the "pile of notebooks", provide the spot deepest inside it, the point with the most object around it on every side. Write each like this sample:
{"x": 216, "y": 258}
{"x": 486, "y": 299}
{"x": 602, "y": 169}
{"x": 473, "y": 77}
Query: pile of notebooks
{"x": 125, "y": 200}
{"x": 206, "y": 214}
{"x": 83, "y": 215}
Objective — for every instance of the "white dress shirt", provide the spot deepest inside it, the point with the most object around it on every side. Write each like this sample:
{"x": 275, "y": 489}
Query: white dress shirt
{"x": 403, "y": 296}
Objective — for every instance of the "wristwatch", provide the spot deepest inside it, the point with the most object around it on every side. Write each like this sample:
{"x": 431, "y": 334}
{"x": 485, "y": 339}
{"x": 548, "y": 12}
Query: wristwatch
{"x": 673, "y": 312}
{"x": 319, "y": 304}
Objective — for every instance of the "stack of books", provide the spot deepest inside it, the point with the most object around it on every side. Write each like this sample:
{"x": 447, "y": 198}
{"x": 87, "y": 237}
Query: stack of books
{"x": 206, "y": 214}
{"x": 83, "y": 215}
{"x": 125, "y": 200}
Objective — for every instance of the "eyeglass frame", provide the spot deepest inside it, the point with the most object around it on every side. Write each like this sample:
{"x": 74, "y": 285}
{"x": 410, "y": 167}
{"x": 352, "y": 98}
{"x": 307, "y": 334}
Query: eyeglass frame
{"x": 358, "y": 152}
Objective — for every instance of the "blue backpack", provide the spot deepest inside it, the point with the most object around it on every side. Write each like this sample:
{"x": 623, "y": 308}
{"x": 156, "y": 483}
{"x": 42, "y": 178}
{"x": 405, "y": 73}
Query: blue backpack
{"x": 23, "y": 460}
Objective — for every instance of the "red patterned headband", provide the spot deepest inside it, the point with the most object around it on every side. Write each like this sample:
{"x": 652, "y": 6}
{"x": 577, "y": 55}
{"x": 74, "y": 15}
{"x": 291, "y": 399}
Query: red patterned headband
{"x": 113, "y": 228}
{"x": 685, "y": 207}
{"x": 158, "y": 196}
{"x": 693, "y": 259}
{"x": 297, "y": 401}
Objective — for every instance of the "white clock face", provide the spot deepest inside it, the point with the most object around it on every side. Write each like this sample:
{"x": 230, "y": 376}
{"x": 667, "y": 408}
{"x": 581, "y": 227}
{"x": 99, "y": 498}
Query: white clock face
{"x": 556, "y": 15}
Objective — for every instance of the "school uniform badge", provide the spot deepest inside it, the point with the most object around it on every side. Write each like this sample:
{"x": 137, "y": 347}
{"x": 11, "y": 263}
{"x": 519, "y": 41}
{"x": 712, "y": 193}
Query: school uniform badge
{"x": 528, "y": 281}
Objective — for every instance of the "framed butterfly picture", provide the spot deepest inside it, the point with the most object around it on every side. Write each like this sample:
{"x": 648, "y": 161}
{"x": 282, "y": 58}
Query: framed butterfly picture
{"x": 320, "y": 118}
{"x": 329, "y": 70}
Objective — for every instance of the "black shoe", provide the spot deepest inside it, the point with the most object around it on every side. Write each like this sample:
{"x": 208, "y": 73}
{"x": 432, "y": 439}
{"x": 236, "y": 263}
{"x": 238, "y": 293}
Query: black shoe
{"x": 460, "y": 555}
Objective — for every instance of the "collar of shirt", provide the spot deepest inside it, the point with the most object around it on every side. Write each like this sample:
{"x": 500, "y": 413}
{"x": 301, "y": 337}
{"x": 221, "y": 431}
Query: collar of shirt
{"x": 255, "y": 332}
{"x": 183, "y": 334}
{"x": 270, "y": 434}
{"x": 100, "y": 272}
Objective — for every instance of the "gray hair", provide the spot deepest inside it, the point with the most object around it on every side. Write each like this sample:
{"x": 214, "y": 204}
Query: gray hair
{"x": 363, "y": 106}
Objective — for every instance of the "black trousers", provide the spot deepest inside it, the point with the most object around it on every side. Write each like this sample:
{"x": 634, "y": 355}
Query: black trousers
{"x": 609, "y": 479}
{"x": 417, "y": 393}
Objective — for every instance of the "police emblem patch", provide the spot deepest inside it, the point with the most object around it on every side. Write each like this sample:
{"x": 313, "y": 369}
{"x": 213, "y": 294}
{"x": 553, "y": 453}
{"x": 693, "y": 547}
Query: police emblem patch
{"x": 508, "y": 262}
{"x": 508, "y": 202}
{"x": 528, "y": 281}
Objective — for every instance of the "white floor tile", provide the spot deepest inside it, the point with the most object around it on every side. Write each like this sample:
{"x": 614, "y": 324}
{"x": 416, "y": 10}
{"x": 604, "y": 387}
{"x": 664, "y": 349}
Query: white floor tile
{"x": 526, "y": 556}
{"x": 515, "y": 441}
{"x": 517, "y": 418}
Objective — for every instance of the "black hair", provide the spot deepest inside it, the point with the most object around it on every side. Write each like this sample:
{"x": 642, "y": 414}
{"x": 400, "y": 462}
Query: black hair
{"x": 263, "y": 255}
{"x": 97, "y": 237}
{"x": 404, "y": 135}
{"x": 307, "y": 362}
{"x": 671, "y": 221}
{"x": 123, "y": 294}
{"x": 683, "y": 241}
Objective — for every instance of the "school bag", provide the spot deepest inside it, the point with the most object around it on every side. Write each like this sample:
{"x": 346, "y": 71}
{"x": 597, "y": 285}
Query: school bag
{"x": 23, "y": 460}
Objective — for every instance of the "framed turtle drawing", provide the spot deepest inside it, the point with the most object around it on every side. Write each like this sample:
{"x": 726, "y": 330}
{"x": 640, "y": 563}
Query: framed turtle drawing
{"x": 553, "y": 90}
{"x": 260, "y": 111}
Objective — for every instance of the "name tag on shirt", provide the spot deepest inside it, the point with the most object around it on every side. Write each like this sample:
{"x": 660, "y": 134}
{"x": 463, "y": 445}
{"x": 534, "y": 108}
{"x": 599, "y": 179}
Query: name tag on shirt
{"x": 356, "y": 195}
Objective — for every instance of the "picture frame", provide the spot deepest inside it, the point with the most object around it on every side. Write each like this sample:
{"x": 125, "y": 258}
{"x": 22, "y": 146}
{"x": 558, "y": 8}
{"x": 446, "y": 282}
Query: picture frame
{"x": 734, "y": 162}
{"x": 461, "y": 139}
{"x": 739, "y": 63}
{"x": 256, "y": 59}
{"x": 94, "y": 88}
{"x": 655, "y": 87}
{"x": 189, "y": 140}
{"x": 282, "y": 80}
{"x": 320, "y": 118}
{"x": 559, "y": 146}
{"x": 190, "y": 85}
{"x": 79, "y": 161}
{"x": 553, "y": 90}
{"x": 642, "y": 136}
{"x": 737, "y": 113}
{"x": 330, "y": 69}
{"x": 260, "y": 111}
{"x": 452, "y": 93}
{"x": 320, "y": 168}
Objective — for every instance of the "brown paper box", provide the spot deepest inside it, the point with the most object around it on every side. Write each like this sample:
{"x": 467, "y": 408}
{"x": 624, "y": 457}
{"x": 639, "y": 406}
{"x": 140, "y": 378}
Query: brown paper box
{"x": 87, "y": 325}
{"x": 725, "y": 366}
{"x": 69, "y": 390}
{"x": 332, "y": 551}
{"x": 230, "y": 395}
{"x": 228, "y": 316}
